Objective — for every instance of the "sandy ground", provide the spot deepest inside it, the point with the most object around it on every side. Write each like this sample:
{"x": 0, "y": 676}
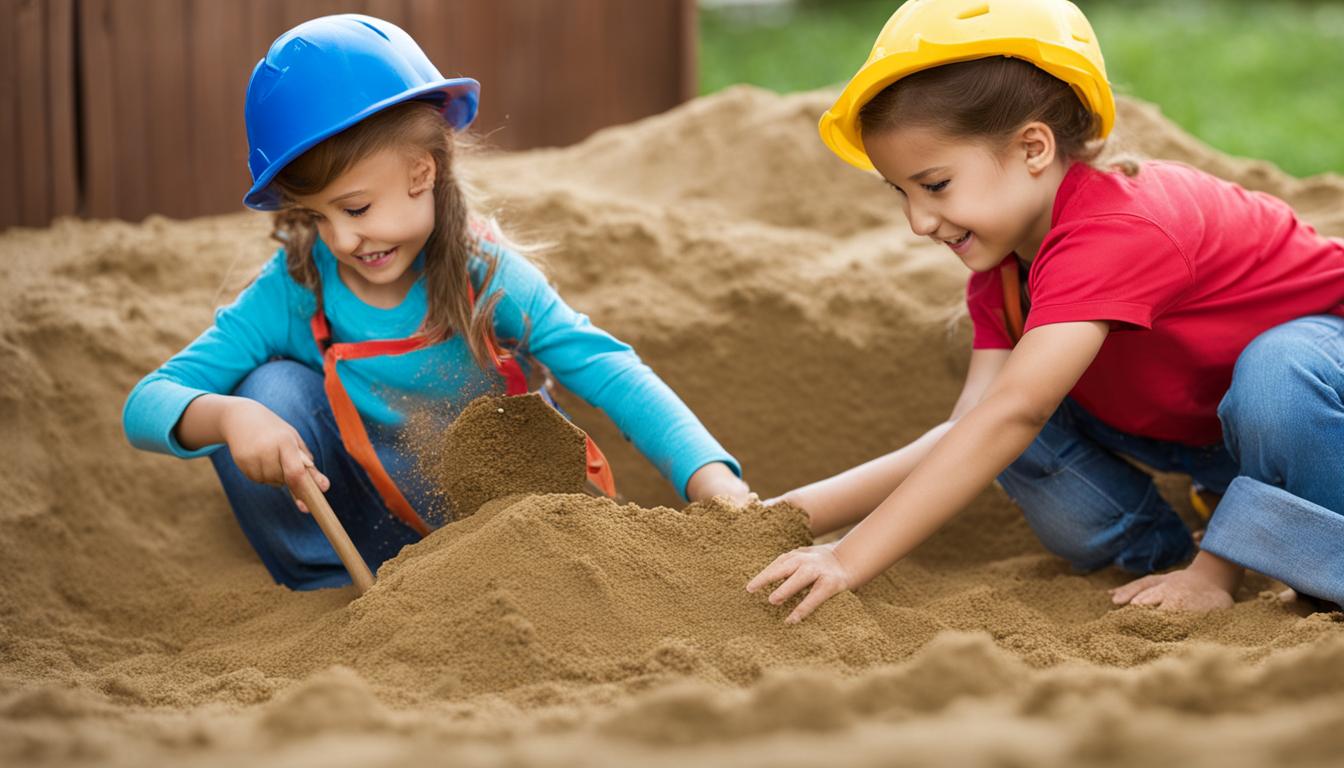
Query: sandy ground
{"x": 781, "y": 293}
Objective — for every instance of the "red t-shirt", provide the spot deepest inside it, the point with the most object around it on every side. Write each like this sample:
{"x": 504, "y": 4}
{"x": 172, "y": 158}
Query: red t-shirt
{"x": 1187, "y": 268}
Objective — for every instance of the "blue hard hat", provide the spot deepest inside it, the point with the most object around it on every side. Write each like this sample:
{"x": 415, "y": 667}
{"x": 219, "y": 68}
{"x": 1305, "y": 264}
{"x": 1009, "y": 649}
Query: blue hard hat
{"x": 325, "y": 75}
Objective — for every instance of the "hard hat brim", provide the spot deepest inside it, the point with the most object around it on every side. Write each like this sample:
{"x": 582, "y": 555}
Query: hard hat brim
{"x": 461, "y": 98}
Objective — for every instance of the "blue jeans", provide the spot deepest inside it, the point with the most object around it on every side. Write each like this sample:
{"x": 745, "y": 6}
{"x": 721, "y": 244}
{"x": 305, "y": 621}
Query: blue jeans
{"x": 1281, "y": 466}
{"x": 1283, "y": 419}
{"x": 289, "y": 542}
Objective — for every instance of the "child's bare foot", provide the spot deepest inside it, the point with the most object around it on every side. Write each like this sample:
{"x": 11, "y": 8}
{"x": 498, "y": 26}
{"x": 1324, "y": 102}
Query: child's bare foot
{"x": 1304, "y": 605}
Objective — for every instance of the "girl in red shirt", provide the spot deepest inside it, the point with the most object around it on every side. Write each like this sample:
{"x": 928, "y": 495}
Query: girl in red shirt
{"x": 1153, "y": 312}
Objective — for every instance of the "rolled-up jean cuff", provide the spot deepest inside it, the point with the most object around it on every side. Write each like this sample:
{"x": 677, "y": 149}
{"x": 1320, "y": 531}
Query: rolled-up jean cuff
{"x": 1269, "y": 530}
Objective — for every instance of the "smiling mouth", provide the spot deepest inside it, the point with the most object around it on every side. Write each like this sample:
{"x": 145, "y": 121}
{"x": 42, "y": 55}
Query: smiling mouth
{"x": 954, "y": 243}
{"x": 375, "y": 256}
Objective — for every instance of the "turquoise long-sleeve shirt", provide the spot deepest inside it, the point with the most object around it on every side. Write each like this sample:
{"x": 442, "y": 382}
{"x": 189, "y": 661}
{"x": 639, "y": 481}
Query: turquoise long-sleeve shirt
{"x": 270, "y": 319}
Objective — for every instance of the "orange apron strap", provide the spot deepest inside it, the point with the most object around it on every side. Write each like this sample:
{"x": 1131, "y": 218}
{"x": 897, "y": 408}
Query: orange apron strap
{"x": 515, "y": 381}
{"x": 351, "y": 426}
{"x": 599, "y": 471}
{"x": 1012, "y": 298}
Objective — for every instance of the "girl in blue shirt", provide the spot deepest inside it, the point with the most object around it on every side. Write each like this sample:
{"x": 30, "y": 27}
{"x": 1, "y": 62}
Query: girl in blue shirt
{"x": 389, "y": 294}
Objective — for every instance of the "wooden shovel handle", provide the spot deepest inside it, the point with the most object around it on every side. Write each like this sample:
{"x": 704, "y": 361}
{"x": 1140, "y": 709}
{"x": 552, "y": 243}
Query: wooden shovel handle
{"x": 312, "y": 497}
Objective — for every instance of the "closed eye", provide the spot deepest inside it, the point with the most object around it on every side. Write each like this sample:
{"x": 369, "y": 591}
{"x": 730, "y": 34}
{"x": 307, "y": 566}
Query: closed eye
{"x": 893, "y": 186}
{"x": 939, "y": 187}
{"x": 357, "y": 212}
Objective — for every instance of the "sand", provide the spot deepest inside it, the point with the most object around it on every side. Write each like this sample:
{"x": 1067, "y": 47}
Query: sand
{"x": 497, "y": 446}
{"x": 782, "y": 295}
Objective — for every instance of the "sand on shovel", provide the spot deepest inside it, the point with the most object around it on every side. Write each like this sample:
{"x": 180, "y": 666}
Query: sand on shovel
{"x": 501, "y": 446}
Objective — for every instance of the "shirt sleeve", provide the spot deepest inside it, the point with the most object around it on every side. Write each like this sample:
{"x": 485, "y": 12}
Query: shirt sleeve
{"x": 984, "y": 301}
{"x": 245, "y": 334}
{"x": 1121, "y": 268}
{"x": 604, "y": 371}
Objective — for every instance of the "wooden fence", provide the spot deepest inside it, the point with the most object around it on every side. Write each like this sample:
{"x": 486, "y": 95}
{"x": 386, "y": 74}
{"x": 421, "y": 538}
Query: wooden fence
{"x": 123, "y": 108}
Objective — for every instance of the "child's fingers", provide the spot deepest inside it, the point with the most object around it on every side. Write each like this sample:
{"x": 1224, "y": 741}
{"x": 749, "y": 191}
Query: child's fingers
{"x": 294, "y": 464}
{"x": 793, "y": 585}
{"x": 781, "y": 567}
{"x": 302, "y": 507}
{"x": 322, "y": 482}
{"x": 1151, "y": 597}
{"x": 1126, "y": 593}
{"x": 821, "y": 591}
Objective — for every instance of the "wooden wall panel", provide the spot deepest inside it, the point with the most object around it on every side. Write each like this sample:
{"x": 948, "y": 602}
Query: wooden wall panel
{"x": 38, "y": 165}
{"x": 164, "y": 81}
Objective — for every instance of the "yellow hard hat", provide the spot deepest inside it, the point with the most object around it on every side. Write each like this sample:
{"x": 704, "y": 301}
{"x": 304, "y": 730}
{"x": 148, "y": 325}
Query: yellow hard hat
{"x": 922, "y": 34}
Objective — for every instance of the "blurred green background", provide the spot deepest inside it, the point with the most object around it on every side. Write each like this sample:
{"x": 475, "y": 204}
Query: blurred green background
{"x": 1259, "y": 79}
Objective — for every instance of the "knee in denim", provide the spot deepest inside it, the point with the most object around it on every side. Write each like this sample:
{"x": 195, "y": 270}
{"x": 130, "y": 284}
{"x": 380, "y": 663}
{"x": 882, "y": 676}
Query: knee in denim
{"x": 292, "y": 390}
{"x": 1270, "y": 377}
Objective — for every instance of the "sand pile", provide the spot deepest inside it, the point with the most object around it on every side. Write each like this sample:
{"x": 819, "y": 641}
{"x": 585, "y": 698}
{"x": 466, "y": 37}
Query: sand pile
{"x": 782, "y": 295}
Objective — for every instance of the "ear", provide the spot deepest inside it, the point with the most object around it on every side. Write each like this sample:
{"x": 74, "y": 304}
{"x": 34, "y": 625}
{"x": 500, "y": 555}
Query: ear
{"x": 1035, "y": 143}
{"x": 422, "y": 173}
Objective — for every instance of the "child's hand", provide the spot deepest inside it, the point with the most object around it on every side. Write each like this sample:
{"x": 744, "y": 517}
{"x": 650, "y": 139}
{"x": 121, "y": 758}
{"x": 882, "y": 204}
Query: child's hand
{"x": 266, "y": 448}
{"x": 716, "y": 479}
{"x": 1206, "y": 585}
{"x": 816, "y": 566}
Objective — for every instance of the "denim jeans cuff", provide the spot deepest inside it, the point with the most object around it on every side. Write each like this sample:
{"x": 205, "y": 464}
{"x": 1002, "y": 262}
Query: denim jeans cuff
{"x": 1269, "y": 530}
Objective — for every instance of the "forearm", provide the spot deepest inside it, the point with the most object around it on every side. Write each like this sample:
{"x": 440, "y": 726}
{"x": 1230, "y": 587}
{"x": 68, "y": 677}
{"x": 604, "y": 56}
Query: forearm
{"x": 202, "y": 422}
{"x": 958, "y": 467}
{"x": 845, "y": 498}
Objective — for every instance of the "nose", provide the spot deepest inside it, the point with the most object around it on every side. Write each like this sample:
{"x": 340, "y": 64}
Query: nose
{"x": 345, "y": 238}
{"x": 923, "y": 222}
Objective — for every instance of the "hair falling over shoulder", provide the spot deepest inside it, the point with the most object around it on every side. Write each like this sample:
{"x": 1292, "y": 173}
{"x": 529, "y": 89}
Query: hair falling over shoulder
{"x": 415, "y": 126}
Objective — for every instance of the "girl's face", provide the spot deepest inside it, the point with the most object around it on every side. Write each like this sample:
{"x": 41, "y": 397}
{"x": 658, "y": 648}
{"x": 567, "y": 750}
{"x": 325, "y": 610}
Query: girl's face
{"x": 376, "y": 217}
{"x": 981, "y": 203}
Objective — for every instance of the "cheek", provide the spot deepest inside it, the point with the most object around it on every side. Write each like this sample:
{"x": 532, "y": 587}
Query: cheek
{"x": 416, "y": 216}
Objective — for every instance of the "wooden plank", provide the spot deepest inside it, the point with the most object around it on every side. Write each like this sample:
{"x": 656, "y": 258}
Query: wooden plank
{"x": 523, "y": 73}
{"x": 61, "y": 73}
{"x": 688, "y": 50}
{"x": 131, "y": 46}
{"x": 216, "y": 30}
{"x": 168, "y": 123}
{"x": 98, "y": 108}
{"x": 10, "y": 151}
{"x": 30, "y": 110}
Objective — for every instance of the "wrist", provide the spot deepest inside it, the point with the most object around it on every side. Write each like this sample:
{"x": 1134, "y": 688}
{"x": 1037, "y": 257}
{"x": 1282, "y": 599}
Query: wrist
{"x": 715, "y": 479}
{"x": 1225, "y": 574}
{"x": 228, "y": 410}
{"x": 848, "y": 553}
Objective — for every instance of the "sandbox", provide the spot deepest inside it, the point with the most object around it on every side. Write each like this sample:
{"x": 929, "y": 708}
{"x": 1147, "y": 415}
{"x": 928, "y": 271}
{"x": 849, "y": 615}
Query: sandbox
{"x": 783, "y": 296}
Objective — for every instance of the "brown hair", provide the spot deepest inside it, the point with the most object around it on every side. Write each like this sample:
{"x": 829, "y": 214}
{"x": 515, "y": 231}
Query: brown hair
{"x": 988, "y": 100}
{"x": 412, "y": 126}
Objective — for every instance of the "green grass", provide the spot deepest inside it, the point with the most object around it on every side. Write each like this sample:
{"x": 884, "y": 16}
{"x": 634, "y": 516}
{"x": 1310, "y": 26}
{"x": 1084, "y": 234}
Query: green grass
{"x": 1258, "y": 78}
